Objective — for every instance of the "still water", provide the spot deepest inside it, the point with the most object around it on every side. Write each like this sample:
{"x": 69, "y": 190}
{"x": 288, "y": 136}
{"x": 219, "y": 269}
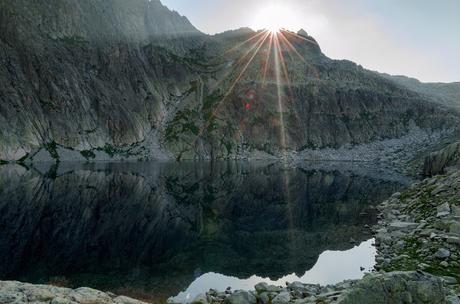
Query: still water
{"x": 156, "y": 230}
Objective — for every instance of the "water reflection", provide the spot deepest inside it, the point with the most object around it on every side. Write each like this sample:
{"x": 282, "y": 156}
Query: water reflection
{"x": 149, "y": 230}
{"x": 332, "y": 267}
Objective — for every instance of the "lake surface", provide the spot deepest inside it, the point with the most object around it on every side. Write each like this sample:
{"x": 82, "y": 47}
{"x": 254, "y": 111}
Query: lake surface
{"x": 155, "y": 230}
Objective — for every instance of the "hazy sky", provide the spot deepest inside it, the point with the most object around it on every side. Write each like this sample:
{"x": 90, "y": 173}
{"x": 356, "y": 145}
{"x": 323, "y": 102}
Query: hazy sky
{"x": 417, "y": 38}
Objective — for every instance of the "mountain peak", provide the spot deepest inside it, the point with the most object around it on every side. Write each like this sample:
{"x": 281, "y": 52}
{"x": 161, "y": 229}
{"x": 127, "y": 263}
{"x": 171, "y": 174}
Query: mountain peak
{"x": 303, "y": 33}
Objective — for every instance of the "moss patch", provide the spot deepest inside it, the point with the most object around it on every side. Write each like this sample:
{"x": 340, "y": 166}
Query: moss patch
{"x": 88, "y": 154}
{"x": 52, "y": 149}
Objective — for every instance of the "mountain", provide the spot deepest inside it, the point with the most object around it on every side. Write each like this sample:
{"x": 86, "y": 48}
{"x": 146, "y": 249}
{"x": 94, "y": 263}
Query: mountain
{"x": 114, "y": 80}
{"x": 445, "y": 93}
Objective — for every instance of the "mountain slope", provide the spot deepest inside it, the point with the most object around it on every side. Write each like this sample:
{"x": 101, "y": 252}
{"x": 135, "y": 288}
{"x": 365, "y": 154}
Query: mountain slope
{"x": 84, "y": 74}
{"x": 445, "y": 93}
{"x": 86, "y": 80}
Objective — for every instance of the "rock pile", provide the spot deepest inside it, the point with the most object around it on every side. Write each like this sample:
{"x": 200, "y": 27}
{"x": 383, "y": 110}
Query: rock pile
{"x": 18, "y": 293}
{"x": 420, "y": 229}
{"x": 395, "y": 287}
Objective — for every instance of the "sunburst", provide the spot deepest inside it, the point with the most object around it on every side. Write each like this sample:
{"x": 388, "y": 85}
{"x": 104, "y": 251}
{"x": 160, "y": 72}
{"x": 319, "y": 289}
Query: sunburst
{"x": 270, "y": 45}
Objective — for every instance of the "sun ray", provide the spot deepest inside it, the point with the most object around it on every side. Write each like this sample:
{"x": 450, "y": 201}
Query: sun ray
{"x": 279, "y": 95}
{"x": 261, "y": 33}
{"x": 267, "y": 61}
{"x": 257, "y": 47}
{"x": 291, "y": 47}
{"x": 242, "y": 58}
{"x": 301, "y": 37}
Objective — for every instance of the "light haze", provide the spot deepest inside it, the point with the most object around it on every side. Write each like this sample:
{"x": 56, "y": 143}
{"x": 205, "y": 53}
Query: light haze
{"x": 416, "y": 38}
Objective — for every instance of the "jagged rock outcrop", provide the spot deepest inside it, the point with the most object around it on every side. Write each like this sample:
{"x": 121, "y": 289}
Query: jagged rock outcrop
{"x": 23, "y": 293}
{"x": 440, "y": 161}
{"x": 112, "y": 80}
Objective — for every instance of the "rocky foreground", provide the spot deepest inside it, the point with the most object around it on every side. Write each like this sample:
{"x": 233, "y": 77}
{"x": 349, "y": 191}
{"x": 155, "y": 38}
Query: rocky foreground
{"x": 420, "y": 229}
{"x": 17, "y": 292}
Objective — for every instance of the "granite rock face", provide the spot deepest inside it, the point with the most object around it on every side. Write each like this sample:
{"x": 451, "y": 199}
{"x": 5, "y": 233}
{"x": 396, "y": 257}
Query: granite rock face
{"x": 440, "y": 161}
{"x": 131, "y": 80}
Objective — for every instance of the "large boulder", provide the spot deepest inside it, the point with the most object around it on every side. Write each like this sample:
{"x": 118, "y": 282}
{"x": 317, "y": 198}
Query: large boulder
{"x": 395, "y": 288}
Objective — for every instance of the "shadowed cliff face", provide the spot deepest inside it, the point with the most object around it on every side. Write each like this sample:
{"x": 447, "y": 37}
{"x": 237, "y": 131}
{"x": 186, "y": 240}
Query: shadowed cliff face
{"x": 154, "y": 228}
{"x": 132, "y": 80}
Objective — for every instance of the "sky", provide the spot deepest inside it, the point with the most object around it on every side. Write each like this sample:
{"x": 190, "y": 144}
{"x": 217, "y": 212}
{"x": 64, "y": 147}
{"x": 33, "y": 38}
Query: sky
{"x": 416, "y": 38}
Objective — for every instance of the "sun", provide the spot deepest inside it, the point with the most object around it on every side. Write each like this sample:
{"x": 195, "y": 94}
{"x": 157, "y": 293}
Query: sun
{"x": 273, "y": 17}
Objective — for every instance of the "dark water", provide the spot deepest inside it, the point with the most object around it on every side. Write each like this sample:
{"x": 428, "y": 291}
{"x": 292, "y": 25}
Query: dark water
{"x": 152, "y": 230}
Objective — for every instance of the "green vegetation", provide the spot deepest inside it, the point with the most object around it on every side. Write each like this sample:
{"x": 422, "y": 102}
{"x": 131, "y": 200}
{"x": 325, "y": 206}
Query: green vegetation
{"x": 52, "y": 149}
{"x": 52, "y": 172}
{"x": 23, "y": 159}
{"x": 183, "y": 123}
{"x": 211, "y": 100}
{"x": 112, "y": 151}
{"x": 420, "y": 203}
{"x": 72, "y": 40}
{"x": 90, "y": 131}
{"x": 3, "y": 162}
{"x": 88, "y": 154}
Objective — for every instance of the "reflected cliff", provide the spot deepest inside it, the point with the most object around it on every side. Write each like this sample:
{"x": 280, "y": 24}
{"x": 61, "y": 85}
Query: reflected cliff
{"x": 149, "y": 230}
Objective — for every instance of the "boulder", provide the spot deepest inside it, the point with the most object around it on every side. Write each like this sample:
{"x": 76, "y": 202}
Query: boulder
{"x": 241, "y": 297}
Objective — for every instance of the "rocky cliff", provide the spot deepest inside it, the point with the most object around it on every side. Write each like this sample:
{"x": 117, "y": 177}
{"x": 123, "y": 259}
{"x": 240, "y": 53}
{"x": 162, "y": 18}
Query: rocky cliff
{"x": 440, "y": 161}
{"x": 98, "y": 80}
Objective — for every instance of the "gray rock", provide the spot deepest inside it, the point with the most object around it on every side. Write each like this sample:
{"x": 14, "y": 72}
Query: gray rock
{"x": 402, "y": 225}
{"x": 264, "y": 298}
{"x": 443, "y": 210}
{"x": 241, "y": 297}
{"x": 282, "y": 298}
{"x": 397, "y": 288}
{"x": 454, "y": 228}
{"x": 453, "y": 240}
{"x": 200, "y": 299}
{"x": 261, "y": 287}
{"x": 125, "y": 300}
{"x": 442, "y": 253}
{"x": 18, "y": 293}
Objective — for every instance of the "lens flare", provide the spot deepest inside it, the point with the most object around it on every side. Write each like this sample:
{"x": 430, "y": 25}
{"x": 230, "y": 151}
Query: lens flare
{"x": 272, "y": 17}
{"x": 258, "y": 65}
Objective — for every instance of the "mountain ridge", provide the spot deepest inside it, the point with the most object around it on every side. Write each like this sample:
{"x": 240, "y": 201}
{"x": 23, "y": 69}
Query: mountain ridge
{"x": 94, "y": 81}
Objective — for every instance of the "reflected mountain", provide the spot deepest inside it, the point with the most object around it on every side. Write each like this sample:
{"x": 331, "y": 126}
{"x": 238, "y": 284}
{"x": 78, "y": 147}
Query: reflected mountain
{"x": 150, "y": 229}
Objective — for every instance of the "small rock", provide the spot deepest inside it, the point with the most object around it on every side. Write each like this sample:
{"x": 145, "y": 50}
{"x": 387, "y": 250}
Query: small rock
{"x": 241, "y": 297}
{"x": 282, "y": 298}
{"x": 402, "y": 225}
{"x": 200, "y": 299}
{"x": 59, "y": 300}
{"x": 261, "y": 287}
{"x": 443, "y": 210}
{"x": 444, "y": 264}
{"x": 442, "y": 253}
{"x": 453, "y": 240}
{"x": 454, "y": 228}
